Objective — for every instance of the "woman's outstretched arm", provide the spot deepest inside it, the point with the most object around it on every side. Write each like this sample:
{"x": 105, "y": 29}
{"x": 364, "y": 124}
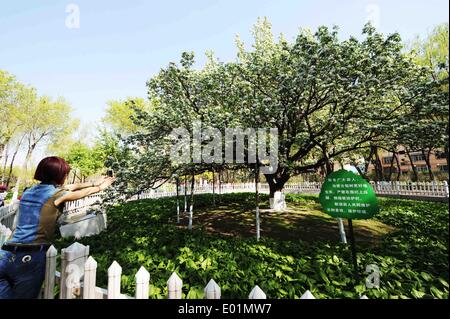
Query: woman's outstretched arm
{"x": 78, "y": 194}
{"x": 77, "y": 186}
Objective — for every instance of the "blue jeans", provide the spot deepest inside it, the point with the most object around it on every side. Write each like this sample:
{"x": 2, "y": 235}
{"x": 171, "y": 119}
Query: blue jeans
{"x": 21, "y": 274}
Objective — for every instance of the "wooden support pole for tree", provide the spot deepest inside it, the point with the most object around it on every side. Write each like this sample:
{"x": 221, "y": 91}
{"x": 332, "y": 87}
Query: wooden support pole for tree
{"x": 220, "y": 185}
{"x": 191, "y": 207}
{"x": 178, "y": 198}
{"x": 342, "y": 231}
{"x": 214, "y": 187}
{"x": 257, "y": 200}
{"x": 185, "y": 194}
{"x": 353, "y": 248}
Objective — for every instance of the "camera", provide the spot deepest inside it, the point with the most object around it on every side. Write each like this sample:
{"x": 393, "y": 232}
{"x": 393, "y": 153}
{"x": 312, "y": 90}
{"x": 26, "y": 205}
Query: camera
{"x": 110, "y": 173}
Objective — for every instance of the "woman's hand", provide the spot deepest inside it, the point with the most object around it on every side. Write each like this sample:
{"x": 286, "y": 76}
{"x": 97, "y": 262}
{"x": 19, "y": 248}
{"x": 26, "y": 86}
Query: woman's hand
{"x": 100, "y": 180}
{"x": 106, "y": 183}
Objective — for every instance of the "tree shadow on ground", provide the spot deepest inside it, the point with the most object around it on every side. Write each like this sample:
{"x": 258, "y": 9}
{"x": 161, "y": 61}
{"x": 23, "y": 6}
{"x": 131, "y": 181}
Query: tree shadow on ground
{"x": 301, "y": 221}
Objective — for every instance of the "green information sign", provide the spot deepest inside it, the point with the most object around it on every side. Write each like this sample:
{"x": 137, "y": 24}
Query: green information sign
{"x": 347, "y": 195}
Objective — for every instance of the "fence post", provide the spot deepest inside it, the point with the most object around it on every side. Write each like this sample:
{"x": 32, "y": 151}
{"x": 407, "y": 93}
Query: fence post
{"x": 114, "y": 273}
{"x": 50, "y": 269}
{"x": 73, "y": 259}
{"x": 212, "y": 290}
{"x": 90, "y": 274}
{"x": 307, "y": 295}
{"x": 446, "y": 189}
{"x": 433, "y": 188}
{"x": 174, "y": 286}
{"x": 142, "y": 281}
{"x": 5, "y": 233}
{"x": 257, "y": 293}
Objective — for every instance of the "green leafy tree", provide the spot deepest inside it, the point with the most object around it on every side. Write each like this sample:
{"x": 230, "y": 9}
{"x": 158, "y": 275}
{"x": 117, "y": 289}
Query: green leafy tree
{"x": 12, "y": 96}
{"x": 44, "y": 121}
{"x": 84, "y": 160}
{"x": 119, "y": 114}
{"x": 326, "y": 97}
{"x": 428, "y": 121}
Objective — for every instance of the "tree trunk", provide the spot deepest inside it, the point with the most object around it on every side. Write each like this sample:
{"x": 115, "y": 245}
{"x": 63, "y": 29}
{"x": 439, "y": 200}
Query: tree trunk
{"x": 446, "y": 151}
{"x": 13, "y": 158}
{"x": 360, "y": 172}
{"x": 427, "y": 161}
{"x": 391, "y": 167}
{"x": 276, "y": 185}
{"x": 378, "y": 165}
{"x": 24, "y": 170}
{"x": 413, "y": 166}
{"x": 368, "y": 160}
{"x": 399, "y": 169}
{"x": 2, "y": 150}
{"x": 5, "y": 162}
{"x": 329, "y": 167}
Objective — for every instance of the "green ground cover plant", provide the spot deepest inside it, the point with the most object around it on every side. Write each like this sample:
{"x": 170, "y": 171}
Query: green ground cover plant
{"x": 299, "y": 249}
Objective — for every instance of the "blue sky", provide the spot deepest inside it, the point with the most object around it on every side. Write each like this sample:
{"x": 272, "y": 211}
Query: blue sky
{"x": 121, "y": 44}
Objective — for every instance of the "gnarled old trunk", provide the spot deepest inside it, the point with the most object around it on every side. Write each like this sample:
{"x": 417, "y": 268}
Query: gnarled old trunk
{"x": 276, "y": 195}
{"x": 277, "y": 201}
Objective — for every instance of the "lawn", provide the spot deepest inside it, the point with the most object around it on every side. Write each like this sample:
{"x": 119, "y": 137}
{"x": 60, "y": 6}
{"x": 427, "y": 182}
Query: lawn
{"x": 299, "y": 249}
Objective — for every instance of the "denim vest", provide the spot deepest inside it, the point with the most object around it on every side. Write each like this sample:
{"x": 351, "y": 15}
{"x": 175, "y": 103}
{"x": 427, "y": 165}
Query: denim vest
{"x": 37, "y": 215}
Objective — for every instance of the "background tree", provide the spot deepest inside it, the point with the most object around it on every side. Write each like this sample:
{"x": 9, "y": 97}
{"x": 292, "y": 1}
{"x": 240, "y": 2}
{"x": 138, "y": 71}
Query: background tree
{"x": 12, "y": 95}
{"x": 432, "y": 52}
{"x": 84, "y": 160}
{"x": 19, "y": 99}
{"x": 45, "y": 120}
{"x": 118, "y": 114}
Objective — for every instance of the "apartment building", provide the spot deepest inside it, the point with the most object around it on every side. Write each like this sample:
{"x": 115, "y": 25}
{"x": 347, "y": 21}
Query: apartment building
{"x": 438, "y": 162}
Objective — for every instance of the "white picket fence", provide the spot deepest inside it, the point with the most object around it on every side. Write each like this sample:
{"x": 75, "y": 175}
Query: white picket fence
{"x": 419, "y": 189}
{"x": 8, "y": 214}
{"x": 77, "y": 279}
{"x": 8, "y": 219}
{"x": 439, "y": 190}
{"x": 5, "y": 233}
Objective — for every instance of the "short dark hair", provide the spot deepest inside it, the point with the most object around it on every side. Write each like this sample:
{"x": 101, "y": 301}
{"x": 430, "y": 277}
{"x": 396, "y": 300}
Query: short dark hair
{"x": 52, "y": 170}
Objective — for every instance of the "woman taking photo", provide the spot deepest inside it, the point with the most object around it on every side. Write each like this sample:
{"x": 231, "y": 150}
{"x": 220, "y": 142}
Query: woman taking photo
{"x": 22, "y": 258}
